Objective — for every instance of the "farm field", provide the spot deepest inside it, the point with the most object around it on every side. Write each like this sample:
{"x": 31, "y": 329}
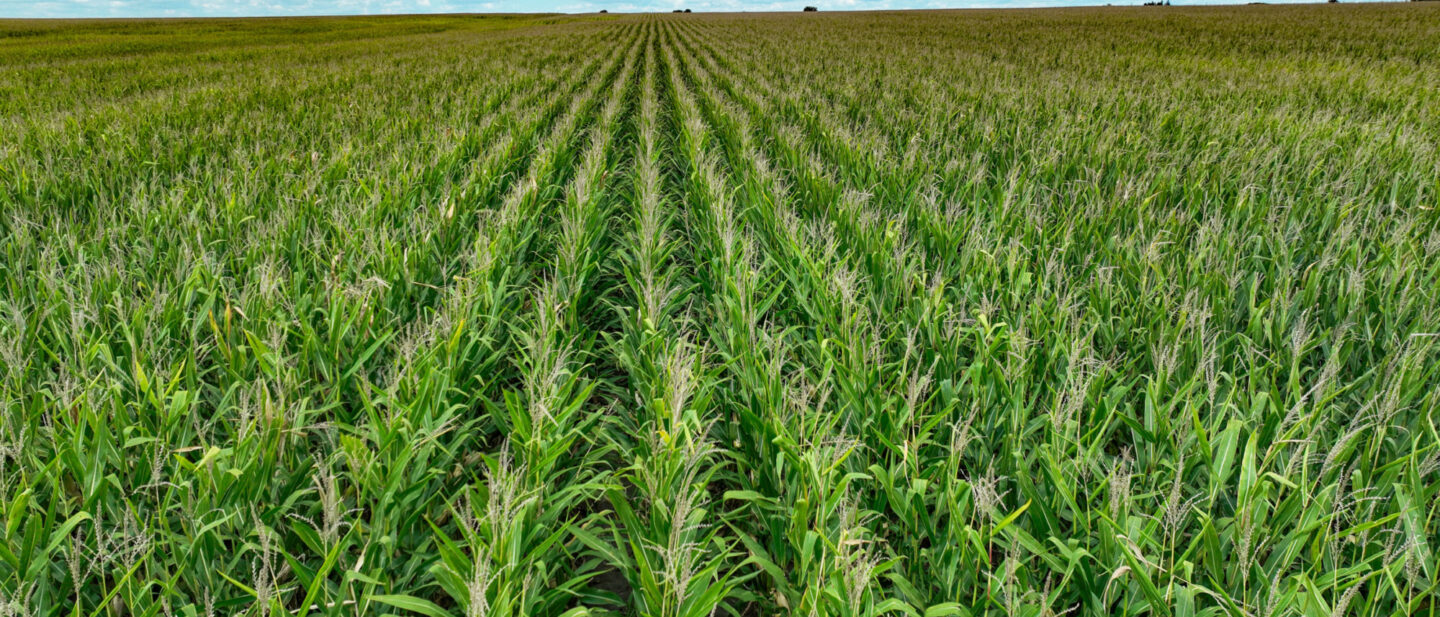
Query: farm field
{"x": 1105, "y": 311}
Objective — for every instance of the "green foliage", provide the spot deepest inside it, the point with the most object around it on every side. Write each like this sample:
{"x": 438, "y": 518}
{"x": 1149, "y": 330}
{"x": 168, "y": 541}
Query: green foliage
{"x": 1026, "y": 313}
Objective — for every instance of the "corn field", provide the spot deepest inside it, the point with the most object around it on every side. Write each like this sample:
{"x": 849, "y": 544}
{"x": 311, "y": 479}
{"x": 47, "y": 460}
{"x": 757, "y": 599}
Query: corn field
{"x": 1086, "y": 312}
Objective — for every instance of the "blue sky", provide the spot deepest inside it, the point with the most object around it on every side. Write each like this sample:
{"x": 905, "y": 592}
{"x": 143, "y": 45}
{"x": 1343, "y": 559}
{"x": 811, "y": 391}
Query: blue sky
{"x": 233, "y": 8}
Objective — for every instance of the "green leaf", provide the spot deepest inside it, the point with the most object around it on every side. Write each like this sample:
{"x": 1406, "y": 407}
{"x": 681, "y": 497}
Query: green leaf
{"x": 946, "y": 609}
{"x": 412, "y": 604}
{"x": 893, "y": 605}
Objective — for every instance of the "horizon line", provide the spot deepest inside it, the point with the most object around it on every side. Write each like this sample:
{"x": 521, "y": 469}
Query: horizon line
{"x": 1126, "y": 4}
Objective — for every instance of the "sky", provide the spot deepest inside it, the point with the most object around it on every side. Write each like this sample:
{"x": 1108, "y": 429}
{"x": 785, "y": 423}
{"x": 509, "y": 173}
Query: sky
{"x": 241, "y": 8}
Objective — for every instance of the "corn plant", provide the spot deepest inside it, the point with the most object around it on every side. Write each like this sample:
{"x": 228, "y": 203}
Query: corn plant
{"x": 973, "y": 313}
